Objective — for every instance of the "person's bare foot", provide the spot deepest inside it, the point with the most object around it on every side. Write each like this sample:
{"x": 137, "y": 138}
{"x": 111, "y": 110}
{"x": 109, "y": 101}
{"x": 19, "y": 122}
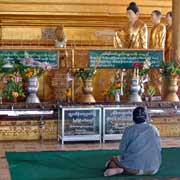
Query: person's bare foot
{"x": 113, "y": 171}
{"x": 107, "y": 163}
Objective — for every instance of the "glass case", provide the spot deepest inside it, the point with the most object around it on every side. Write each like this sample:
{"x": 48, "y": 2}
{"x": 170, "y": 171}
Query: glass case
{"x": 80, "y": 124}
{"x": 115, "y": 120}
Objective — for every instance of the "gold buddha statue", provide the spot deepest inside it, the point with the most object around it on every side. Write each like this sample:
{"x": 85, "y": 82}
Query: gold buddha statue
{"x": 168, "y": 42}
{"x": 135, "y": 35}
{"x": 60, "y": 41}
{"x": 158, "y": 32}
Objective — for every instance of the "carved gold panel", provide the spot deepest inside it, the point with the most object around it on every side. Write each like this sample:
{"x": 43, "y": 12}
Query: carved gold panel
{"x": 168, "y": 126}
{"x": 27, "y": 130}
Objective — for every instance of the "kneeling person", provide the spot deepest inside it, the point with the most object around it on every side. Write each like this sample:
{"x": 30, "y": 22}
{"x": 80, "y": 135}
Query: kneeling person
{"x": 140, "y": 149}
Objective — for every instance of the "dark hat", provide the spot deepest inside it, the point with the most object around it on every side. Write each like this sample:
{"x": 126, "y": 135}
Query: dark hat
{"x": 139, "y": 115}
{"x": 132, "y": 6}
{"x": 169, "y": 13}
{"x": 157, "y": 13}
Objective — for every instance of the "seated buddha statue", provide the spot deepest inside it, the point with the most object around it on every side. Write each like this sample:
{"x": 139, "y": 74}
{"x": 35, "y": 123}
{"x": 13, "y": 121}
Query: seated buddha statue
{"x": 168, "y": 42}
{"x": 135, "y": 34}
{"x": 158, "y": 32}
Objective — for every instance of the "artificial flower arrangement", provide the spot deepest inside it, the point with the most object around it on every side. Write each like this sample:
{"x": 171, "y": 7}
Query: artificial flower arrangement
{"x": 141, "y": 69}
{"x": 85, "y": 73}
{"x": 86, "y": 76}
{"x": 34, "y": 67}
{"x": 113, "y": 88}
{"x": 117, "y": 84}
{"x": 13, "y": 77}
{"x": 140, "y": 73}
{"x": 170, "y": 69}
{"x": 14, "y": 86}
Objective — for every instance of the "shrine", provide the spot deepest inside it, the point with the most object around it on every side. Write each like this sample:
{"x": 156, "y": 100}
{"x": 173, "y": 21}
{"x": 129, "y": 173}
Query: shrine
{"x": 73, "y": 72}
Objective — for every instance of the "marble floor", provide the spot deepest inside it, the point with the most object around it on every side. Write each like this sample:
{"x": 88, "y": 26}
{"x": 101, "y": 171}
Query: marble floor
{"x": 53, "y": 145}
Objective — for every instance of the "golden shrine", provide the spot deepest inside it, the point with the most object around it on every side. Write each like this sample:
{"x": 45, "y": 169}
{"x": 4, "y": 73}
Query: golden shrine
{"x": 30, "y": 25}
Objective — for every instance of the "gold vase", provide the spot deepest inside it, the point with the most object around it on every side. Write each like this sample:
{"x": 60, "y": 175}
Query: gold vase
{"x": 172, "y": 90}
{"x": 87, "y": 90}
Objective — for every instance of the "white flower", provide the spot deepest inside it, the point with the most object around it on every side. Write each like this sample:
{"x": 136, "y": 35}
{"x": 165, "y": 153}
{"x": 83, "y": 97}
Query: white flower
{"x": 147, "y": 64}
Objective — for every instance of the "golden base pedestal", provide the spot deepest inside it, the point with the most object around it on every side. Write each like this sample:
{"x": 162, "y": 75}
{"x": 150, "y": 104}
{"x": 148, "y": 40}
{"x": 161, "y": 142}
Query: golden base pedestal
{"x": 172, "y": 97}
{"x": 172, "y": 90}
{"x": 87, "y": 91}
{"x": 168, "y": 126}
{"x": 87, "y": 98}
{"x": 27, "y": 130}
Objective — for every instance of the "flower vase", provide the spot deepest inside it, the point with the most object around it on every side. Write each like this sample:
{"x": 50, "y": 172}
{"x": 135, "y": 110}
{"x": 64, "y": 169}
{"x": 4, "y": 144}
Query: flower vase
{"x": 135, "y": 88}
{"x": 87, "y": 90}
{"x": 172, "y": 90}
{"x": 117, "y": 95}
{"x": 32, "y": 88}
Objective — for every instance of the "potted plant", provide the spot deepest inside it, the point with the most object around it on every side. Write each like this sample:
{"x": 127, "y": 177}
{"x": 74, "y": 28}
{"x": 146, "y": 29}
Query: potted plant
{"x": 150, "y": 92}
{"x": 86, "y": 75}
{"x": 171, "y": 71}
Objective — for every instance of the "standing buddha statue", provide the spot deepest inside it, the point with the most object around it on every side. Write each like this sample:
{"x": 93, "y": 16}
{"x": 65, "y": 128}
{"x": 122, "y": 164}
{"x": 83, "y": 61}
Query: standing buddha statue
{"x": 157, "y": 41}
{"x": 168, "y": 43}
{"x": 60, "y": 41}
{"x": 158, "y": 32}
{"x": 135, "y": 35}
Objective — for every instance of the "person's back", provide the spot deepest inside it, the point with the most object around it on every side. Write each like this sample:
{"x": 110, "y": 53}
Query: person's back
{"x": 140, "y": 148}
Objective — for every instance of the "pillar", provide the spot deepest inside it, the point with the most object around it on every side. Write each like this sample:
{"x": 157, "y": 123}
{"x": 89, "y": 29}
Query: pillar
{"x": 176, "y": 30}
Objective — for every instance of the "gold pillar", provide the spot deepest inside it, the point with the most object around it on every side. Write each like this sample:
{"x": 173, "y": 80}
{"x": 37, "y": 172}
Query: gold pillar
{"x": 176, "y": 30}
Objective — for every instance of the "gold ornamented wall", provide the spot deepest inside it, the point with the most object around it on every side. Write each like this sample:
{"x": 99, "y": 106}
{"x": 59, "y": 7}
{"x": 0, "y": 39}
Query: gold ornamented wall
{"x": 23, "y": 21}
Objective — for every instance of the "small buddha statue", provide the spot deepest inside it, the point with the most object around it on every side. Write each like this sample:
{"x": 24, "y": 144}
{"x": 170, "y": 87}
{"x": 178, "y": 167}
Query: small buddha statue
{"x": 168, "y": 42}
{"x": 158, "y": 31}
{"x": 135, "y": 35}
{"x": 60, "y": 41}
